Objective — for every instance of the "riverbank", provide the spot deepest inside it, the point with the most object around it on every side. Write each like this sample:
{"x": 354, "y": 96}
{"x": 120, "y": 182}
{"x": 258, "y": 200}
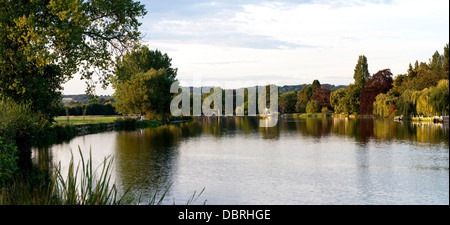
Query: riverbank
{"x": 304, "y": 115}
{"x": 433, "y": 119}
{"x": 66, "y": 128}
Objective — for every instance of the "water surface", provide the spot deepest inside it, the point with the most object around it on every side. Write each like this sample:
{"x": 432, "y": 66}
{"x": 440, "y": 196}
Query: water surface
{"x": 304, "y": 161}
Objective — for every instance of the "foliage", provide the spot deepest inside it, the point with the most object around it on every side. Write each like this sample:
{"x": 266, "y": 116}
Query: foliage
{"x": 423, "y": 106}
{"x": 8, "y": 161}
{"x": 287, "y": 102}
{"x": 425, "y": 75}
{"x": 141, "y": 60}
{"x": 381, "y": 82}
{"x": 351, "y": 101}
{"x": 142, "y": 83}
{"x": 43, "y": 43}
{"x": 399, "y": 85}
{"x": 383, "y": 105}
{"x": 40, "y": 88}
{"x": 74, "y": 35}
{"x": 145, "y": 93}
{"x": 303, "y": 98}
{"x": 313, "y": 107}
{"x": 322, "y": 96}
{"x": 19, "y": 124}
{"x": 335, "y": 97}
{"x": 315, "y": 84}
{"x": 439, "y": 97}
{"x": 361, "y": 74}
{"x": 406, "y": 104}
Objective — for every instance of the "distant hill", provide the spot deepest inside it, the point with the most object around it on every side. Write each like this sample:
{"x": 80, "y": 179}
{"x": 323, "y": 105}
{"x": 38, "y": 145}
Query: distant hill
{"x": 83, "y": 98}
{"x": 289, "y": 88}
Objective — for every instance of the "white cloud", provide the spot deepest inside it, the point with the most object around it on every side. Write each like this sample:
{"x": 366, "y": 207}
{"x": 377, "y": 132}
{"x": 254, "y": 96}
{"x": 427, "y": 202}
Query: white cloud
{"x": 297, "y": 43}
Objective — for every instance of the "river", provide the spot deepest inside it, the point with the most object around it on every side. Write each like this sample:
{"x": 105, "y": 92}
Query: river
{"x": 310, "y": 161}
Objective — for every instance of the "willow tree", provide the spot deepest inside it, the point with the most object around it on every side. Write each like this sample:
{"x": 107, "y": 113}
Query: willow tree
{"x": 43, "y": 43}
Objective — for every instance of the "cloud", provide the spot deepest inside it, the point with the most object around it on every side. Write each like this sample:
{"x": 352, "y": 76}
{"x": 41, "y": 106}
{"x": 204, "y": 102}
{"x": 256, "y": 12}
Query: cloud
{"x": 294, "y": 41}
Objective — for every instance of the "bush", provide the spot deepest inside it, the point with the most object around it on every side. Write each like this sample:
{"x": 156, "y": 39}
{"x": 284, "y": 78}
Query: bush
{"x": 313, "y": 107}
{"x": 126, "y": 123}
{"x": 8, "y": 161}
{"x": 19, "y": 124}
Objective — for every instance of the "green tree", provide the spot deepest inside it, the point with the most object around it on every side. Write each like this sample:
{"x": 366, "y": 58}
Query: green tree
{"x": 315, "y": 84}
{"x": 287, "y": 102}
{"x": 439, "y": 97}
{"x": 361, "y": 74}
{"x": 145, "y": 94}
{"x": 399, "y": 85}
{"x": 406, "y": 104}
{"x": 150, "y": 74}
{"x": 313, "y": 107}
{"x": 352, "y": 99}
{"x": 303, "y": 97}
{"x": 19, "y": 125}
{"x": 43, "y": 43}
{"x": 423, "y": 106}
{"x": 446, "y": 60}
{"x": 427, "y": 75}
{"x": 140, "y": 60}
{"x": 335, "y": 98}
{"x": 383, "y": 105}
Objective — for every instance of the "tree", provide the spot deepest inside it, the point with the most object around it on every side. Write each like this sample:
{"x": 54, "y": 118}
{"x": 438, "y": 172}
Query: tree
{"x": 381, "y": 82}
{"x": 287, "y": 102}
{"x": 406, "y": 103}
{"x": 399, "y": 85}
{"x": 361, "y": 74}
{"x": 313, "y": 107}
{"x": 142, "y": 81}
{"x": 352, "y": 99}
{"x": 140, "y": 60}
{"x": 383, "y": 105}
{"x": 446, "y": 60}
{"x": 145, "y": 94}
{"x": 427, "y": 75}
{"x": 322, "y": 96}
{"x": 44, "y": 43}
{"x": 335, "y": 98}
{"x": 423, "y": 106}
{"x": 315, "y": 84}
{"x": 439, "y": 97}
{"x": 303, "y": 97}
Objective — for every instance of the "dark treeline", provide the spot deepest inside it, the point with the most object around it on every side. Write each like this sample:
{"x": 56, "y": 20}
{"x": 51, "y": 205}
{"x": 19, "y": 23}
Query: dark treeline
{"x": 88, "y": 109}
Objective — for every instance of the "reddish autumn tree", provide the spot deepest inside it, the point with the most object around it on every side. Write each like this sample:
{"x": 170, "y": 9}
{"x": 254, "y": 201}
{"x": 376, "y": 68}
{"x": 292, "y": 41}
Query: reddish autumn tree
{"x": 381, "y": 82}
{"x": 322, "y": 96}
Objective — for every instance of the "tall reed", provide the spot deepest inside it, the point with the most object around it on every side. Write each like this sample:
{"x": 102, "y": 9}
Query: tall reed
{"x": 81, "y": 186}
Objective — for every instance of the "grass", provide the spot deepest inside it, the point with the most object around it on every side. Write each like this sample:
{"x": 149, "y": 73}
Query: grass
{"x": 88, "y": 119}
{"x": 87, "y": 189}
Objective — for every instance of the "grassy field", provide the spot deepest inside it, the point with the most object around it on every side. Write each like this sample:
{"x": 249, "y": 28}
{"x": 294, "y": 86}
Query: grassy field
{"x": 87, "y": 120}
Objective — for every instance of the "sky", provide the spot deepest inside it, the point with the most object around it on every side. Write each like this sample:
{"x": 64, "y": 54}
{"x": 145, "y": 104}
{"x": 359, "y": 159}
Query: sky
{"x": 287, "y": 42}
